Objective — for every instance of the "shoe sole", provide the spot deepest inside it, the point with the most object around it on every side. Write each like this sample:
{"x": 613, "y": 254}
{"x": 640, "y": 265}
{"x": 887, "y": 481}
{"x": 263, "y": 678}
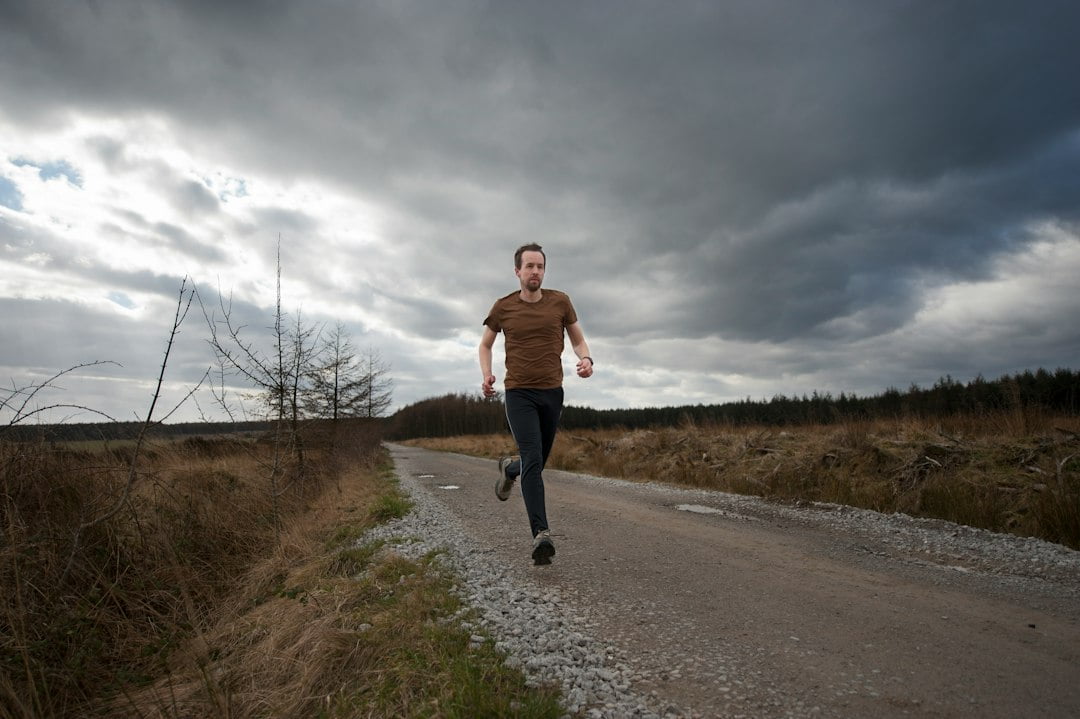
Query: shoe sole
{"x": 543, "y": 553}
{"x": 498, "y": 487}
{"x": 499, "y": 492}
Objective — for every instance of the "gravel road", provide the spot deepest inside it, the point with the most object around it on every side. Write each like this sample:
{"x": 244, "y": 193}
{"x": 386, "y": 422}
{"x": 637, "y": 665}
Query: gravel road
{"x": 667, "y": 602}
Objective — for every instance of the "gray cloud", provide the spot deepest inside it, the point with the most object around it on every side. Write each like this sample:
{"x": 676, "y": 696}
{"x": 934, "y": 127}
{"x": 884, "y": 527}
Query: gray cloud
{"x": 24, "y": 245}
{"x": 52, "y": 335}
{"x": 182, "y": 240}
{"x": 191, "y": 197}
{"x": 794, "y": 180}
{"x": 423, "y": 316}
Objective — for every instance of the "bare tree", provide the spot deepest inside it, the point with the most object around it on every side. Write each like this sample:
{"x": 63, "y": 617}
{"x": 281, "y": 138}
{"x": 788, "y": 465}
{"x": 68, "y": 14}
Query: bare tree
{"x": 278, "y": 377}
{"x": 302, "y": 355}
{"x": 378, "y": 386}
{"x": 339, "y": 386}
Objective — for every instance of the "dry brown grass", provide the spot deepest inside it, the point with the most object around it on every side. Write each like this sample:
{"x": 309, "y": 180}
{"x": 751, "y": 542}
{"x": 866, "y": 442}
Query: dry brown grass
{"x": 1013, "y": 472}
{"x": 280, "y": 635}
{"x": 326, "y": 627}
{"x": 194, "y": 602}
{"x": 79, "y": 618}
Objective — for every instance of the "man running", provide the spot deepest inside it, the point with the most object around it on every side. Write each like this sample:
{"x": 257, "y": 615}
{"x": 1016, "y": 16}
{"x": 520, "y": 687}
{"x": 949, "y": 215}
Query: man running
{"x": 532, "y": 322}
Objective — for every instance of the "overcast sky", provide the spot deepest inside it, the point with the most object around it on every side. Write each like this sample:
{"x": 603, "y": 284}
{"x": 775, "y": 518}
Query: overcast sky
{"x": 742, "y": 198}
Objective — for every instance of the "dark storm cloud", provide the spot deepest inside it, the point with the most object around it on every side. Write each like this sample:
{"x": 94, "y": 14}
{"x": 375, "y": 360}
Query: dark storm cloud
{"x": 758, "y": 172}
{"x": 704, "y": 115}
{"x": 697, "y": 127}
{"x": 870, "y": 249}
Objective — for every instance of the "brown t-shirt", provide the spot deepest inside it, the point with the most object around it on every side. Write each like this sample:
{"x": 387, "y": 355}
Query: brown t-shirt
{"x": 533, "y": 333}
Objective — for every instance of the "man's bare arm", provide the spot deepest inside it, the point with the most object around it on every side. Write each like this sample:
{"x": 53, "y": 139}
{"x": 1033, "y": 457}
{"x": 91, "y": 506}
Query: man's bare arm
{"x": 487, "y": 341}
{"x": 581, "y": 349}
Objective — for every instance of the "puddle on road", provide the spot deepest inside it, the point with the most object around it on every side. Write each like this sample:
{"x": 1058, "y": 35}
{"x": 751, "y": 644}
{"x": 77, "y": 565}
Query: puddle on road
{"x": 440, "y": 486}
{"x": 703, "y": 509}
{"x": 699, "y": 509}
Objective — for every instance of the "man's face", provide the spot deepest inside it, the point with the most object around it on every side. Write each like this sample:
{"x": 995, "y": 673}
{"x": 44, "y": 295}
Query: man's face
{"x": 531, "y": 272}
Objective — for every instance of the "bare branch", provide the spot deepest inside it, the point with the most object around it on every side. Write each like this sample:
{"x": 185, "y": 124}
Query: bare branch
{"x": 133, "y": 474}
{"x": 29, "y": 392}
{"x": 186, "y": 397}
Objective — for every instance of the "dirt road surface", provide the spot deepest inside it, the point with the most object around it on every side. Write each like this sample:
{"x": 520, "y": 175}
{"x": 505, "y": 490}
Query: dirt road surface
{"x": 732, "y": 606}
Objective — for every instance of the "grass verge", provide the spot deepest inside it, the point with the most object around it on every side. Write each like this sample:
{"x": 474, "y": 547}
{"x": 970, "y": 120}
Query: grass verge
{"x": 338, "y": 627}
{"x": 193, "y": 603}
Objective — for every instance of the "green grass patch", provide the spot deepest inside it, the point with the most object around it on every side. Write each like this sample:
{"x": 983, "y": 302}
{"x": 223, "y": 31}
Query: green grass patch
{"x": 353, "y": 560}
{"x": 428, "y": 664}
{"x": 346, "y": 534}
{"x": 390, "y": 505}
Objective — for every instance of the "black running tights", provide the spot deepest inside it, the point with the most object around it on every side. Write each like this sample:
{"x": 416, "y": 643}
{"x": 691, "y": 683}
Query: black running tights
{"x": 533, "y": 415}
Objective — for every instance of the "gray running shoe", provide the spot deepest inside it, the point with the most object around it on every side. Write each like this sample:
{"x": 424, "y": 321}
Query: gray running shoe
{"x": 543, "y": 548}
{"x": 505, "y": 482}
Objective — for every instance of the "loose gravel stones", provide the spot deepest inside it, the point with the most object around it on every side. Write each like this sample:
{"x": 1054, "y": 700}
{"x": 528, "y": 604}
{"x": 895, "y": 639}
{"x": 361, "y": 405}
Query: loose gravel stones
{"x": 552, "y": 640}
{"x": 534, "y": 627}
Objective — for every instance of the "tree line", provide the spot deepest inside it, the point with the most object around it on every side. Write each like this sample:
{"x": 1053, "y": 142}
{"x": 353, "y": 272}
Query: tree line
{"x": 1057, "y": 391}
{"x": 448, "y": 416}
{"x": 114, "y": 431}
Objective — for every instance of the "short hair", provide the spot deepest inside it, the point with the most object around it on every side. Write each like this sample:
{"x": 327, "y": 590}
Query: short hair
{"x": 531, "y": 247}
